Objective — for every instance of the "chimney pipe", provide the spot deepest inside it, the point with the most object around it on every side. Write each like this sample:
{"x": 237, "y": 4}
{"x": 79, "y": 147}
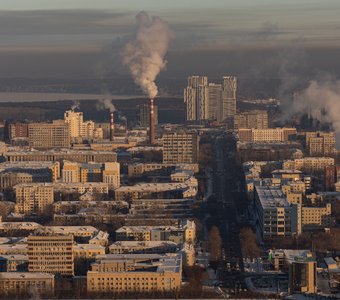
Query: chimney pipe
{"x": 152, "y": 123}
{"x": 112, "y": 127}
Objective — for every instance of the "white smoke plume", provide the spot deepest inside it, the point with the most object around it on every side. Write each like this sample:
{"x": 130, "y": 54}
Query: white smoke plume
{"x": 322, "y": 101}
{"x": 75, "y": 105}
{"x": 144, "y": 56}
{"x": 105, "y": 104}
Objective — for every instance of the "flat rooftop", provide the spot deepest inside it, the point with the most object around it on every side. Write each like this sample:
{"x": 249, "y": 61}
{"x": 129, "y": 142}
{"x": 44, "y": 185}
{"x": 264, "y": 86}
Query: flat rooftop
{"x": 271, "y": 197}
{"x": 25, "y": 275}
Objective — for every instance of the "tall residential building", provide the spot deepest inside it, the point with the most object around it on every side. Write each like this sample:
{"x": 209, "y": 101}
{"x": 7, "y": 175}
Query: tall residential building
{"x": 180, "y": 147}
{"x": 18, "y": 130}
{"x": 49, "y": 135}
{"x": 210, "y": 101}
{"x": 51, "y": 254}
{"x": 257, "y": 119}
{"x": 34, "y": 198}
{"x": 320, "y": 143}
{"x": 213, "y": 109}
{"x": 144, "y": 115}
{"x": 229, "y": 96}
{"x": 75, "y": 122}
{"x": 193, "y": 97}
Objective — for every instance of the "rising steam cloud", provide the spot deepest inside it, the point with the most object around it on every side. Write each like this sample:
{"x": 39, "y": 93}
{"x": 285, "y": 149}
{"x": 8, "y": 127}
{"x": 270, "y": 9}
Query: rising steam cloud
{"x": 322, "y": 101}
{"x": 105, "y": 104}
{"x": 144, "y": 56}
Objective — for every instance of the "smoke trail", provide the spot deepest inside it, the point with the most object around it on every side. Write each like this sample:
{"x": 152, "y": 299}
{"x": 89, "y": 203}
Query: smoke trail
{"x": 75, "y": 105}
{"x": 105, "y": 104}
{"x": 322, "y": 100}
{"x": 144, "y": 56}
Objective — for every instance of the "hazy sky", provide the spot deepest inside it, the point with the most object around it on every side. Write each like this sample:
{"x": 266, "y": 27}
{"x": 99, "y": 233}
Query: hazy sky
{"x": 50, "y": 32}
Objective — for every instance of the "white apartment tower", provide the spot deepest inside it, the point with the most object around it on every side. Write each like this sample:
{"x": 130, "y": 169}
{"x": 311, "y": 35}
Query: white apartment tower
{"x": 75, "y": 122}
{"x": 229, "y": 96}
{"x": 193, "y": 97}
{"x": 210, "y": 101}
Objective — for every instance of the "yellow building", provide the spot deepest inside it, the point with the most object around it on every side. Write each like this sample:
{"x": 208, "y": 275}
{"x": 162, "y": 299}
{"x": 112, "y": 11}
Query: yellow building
{"x": 268, "y": 135}
{"x": 135, "y": 273}
{"x": 70, "y": 172}
{"x": 185, "y": 232}
{"x": 251, "y": 119}
{"x": 75, "y": 123}
{"x": 49, "y": 135}
{"x": 317, "y": 216}
{"x": 320, "y": 143}
{"x": 34, "y": 198}
{"x": 18, "y": 283}
{"x": 308, "y": 163}
{"x": 87, "y": 251}
{"x": 180, "y": 147}
{"x": 51, "y": 254}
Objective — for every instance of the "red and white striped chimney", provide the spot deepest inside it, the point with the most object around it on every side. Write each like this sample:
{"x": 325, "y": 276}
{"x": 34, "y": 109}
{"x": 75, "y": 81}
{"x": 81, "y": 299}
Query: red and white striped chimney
{"x": 152, "y": 122}
{"x": 112, "y": 127}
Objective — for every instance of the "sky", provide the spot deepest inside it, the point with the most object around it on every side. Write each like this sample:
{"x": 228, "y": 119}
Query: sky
{"x": 81, "y": 37}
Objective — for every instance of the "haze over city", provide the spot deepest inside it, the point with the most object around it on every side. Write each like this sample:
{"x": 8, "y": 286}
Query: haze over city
{"x": 169, "y": 149}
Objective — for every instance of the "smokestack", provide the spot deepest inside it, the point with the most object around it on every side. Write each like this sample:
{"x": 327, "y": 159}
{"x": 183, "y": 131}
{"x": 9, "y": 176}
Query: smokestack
{"x": 152, "y": 123}
{"x": 112, "y": 127}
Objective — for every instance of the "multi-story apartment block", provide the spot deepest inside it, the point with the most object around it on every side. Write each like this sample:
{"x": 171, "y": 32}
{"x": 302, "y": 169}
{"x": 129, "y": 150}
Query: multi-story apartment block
{"x": 144, "y": 273}
{"x": 257, "y": 119}
{"x": 92, "y": 172}
{"x": 49, "y": 135}
{"x": 75, "y": 121}
{"x": 210, "y": 101}
{"x": 34, "y": 198}
{"x": 320, "y": 143}
{"x": 139, "y": 169}
{"x": 308, "y": 163}
{"x": 87, "y": 251}
{"x": 187, "y": 189}
{"x": 276, "y": 216}
{"x": 60, "y": 155}
{"x": 180, "y": 147}
{"x": 269, "y": 135}
{"x": 14, "y": 263}
{"x": 143, "y": 247}
{"x": 316, "y": 216}
{"x": 14, "y": 284}
{"x": 51, "y": 254}
{"x": 18, "y": 130}
{"x": 185, "y": 232}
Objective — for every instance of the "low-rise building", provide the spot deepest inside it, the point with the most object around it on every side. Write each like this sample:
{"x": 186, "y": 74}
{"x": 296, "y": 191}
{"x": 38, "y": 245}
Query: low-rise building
{"x": 87, "y": 251}
{"x": 268, "y": 135}
{"x": 143, "y": 273}
{"x": 308, "y": 163}
{"x": 184, "y": 232}
{"x": 13, "y": 263}
{"x": 19, "y": 283}
{"x": 185, "y": 189}
{"x": 143, "y": 247}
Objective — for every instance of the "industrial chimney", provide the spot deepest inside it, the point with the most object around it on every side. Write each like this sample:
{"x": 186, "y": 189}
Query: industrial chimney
{"x": 112, "y": 127}
{"x": 152, "y": 123}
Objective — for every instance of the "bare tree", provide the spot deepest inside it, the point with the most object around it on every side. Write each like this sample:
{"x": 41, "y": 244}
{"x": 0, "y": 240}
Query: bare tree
{"x": 215, "y": 244}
